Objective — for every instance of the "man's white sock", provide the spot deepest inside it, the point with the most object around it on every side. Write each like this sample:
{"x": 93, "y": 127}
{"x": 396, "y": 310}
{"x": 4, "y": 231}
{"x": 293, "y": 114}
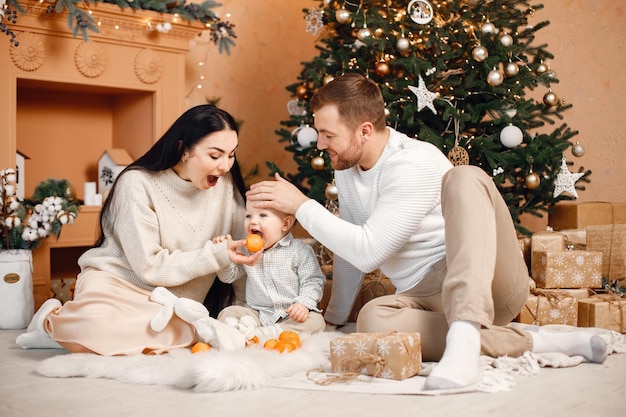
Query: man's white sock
{"x": 459, "y": 365}
{"x": 592, "y": 348}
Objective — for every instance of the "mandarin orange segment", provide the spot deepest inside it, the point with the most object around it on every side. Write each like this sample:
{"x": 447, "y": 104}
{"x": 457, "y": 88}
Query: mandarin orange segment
{"x": 254, "y": 242}
{"x": 200, "y": 347}
{"x": 284, "y": 346}
{"x": 269, "y": 343}
{"x": 253, "y": 341}
{"x": 290, "y": 336}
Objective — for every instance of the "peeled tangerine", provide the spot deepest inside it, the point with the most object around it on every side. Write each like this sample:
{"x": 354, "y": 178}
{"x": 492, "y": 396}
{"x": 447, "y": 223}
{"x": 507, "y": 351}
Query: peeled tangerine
{"x": 287, "y": 342}
{"x": 254, "y": 242}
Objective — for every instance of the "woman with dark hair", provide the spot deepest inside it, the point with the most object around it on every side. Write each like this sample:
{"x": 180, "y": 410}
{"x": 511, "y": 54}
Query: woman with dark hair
{"x": 156, "y": 230}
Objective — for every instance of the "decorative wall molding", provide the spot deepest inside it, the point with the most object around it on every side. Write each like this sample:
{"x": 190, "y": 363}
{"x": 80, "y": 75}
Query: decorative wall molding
{"x": 30, "y": 53}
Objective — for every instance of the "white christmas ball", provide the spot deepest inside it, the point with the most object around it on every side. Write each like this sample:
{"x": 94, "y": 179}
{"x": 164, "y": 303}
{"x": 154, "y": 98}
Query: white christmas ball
{"x": 307, "y": 136}
{"x": 511, "y": 136}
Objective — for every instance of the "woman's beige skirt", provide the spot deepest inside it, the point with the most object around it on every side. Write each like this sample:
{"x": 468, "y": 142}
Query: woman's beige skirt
{"x": 110, "y": 316}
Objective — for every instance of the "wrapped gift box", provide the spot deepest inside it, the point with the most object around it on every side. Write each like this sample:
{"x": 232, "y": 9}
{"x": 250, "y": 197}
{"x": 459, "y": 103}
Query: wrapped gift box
{"x": 524, "y": 248}
{"x": 581, "y": 215}
{"x": 567, "y": 269}
{"x": 604, "y": 310}
{"x": 392, "y": 355}
{"x": 552, "y": 307}
{"x": 575, "y": 238}
{"x": 546, "y": 241}
{"x": 609, "y": 239}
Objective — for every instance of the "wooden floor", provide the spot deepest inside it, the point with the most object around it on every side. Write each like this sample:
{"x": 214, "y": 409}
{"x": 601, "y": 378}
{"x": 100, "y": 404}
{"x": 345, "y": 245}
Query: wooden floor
{"x": 587, "y": 390}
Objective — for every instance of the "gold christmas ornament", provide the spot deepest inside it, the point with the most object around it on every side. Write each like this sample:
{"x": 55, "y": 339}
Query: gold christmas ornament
{"x": 532, "y": 181}
{"x": 542, "y": 68}
{"x": 495, "y": 78}
{"x": 364, "y": 33}
{"x": 480, "y": 53}
{"x": 343, "y": 16}
{"x": 403, "y": 44}
{"x": 331, "y": 192}
{"x": 458, "y": 156}
{"x": 488, "y": 28}
{"x": 328, "y": 78}
{"x": 506, "y": 40}
{"x": 382, "y": 69}
{"x": 317, "y": 163}
{"x": 511, "y": 69}
{"x": 302, "y": 92}
{"x": 578, "y": 150}
{"x": 550, "y": 99}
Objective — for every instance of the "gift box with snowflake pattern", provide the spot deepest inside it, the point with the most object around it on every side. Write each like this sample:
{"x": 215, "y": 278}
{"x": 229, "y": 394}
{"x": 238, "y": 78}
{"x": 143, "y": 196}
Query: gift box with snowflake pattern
{"x": 567, "y": 269}
{"x": 552, "y": 306}
{"x": 392, "y": 355}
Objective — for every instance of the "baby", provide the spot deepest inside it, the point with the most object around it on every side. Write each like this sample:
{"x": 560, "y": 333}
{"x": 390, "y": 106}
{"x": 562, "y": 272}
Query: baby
{"x": 284, "y": 288}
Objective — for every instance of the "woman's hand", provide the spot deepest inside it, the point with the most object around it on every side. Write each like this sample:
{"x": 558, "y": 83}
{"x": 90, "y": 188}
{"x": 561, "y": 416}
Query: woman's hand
{"x": 237, "y": 257}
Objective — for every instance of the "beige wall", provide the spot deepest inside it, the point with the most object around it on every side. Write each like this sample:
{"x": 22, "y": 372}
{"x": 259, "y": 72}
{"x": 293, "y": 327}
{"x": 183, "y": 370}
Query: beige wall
{"x": 586, "y": 37}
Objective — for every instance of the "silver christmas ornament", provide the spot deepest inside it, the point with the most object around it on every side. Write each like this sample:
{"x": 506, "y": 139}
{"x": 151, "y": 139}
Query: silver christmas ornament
{"x": 542, "y": 68}
{"x": 480, "y": 53}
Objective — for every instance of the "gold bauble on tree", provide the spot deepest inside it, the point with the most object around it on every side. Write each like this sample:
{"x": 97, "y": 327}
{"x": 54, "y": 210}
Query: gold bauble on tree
{"x": 343, "y": 16}
{"x": 331, "y": 193}
{"x": 532, "y": 180}
{"x": 578, "y": 149}
{"x": 302, "y": 92}
{"x": 382, "y": 69}
{"x": 550, "y": 99}
{"x": 328, "y": 78}
{"x": 317, "y": 163}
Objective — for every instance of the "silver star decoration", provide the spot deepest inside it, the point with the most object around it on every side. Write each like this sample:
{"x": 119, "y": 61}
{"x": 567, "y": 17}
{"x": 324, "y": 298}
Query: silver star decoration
{"x": 424, "y": 97}
{"x": 314, "y": 21}
{"x": 565, "y": 180}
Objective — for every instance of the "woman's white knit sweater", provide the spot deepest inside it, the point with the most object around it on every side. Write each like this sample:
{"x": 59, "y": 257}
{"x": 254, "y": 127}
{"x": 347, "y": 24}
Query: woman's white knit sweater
{"x": 389, "y": 218}
{"x": 160, "y": 229}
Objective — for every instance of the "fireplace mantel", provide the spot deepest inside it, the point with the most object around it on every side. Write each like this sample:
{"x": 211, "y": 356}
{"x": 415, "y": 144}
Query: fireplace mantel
{"x": 64, "y": 101}
{"x": 127, "y": 55}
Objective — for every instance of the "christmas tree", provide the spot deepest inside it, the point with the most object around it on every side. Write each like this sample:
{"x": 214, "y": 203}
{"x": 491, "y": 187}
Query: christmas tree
{"x": 458, "y": 74}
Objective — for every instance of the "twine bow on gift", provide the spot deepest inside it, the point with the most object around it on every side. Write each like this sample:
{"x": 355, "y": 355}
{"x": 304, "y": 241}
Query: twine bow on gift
{"x": 349, "y": 369}
{"x": 554, "y": 298}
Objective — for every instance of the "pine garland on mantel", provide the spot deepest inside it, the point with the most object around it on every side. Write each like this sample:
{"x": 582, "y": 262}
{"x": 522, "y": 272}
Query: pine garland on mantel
{"x": 81, "y": 22}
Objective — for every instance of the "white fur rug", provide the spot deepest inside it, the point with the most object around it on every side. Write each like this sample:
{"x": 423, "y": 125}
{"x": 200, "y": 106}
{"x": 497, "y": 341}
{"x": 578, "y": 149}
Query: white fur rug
{"x": 305, "y": 368}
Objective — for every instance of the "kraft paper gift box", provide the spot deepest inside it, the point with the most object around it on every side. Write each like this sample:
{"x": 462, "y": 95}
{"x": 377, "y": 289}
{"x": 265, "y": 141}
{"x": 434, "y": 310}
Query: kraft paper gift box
{"x": 567, "y": 269}
{"x": 546, "y": 241}
{"x": 391, "y": 355}
{"x": 611, "y": 241}
{"x": 575, "y": 238}
{"x": 604, "y": 310}
{"x": 580, "y": 215}
{"x": 524, "y": 247}
{"x": 552, "y": 306}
